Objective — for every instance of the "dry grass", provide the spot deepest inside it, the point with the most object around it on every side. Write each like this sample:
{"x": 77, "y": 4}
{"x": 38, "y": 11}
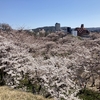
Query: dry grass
{"x": 7, "y": 93}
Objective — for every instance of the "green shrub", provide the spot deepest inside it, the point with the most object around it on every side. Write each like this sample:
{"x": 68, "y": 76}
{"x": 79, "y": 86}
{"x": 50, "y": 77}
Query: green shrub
{"x": 88, "y": 94}
{"x": 35, "y": 87}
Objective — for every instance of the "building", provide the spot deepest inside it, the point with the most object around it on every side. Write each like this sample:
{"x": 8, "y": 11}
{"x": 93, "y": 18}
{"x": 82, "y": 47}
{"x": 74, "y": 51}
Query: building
{"x": 57, "y": 27}
{"x": 81, "y": 31}
{"x": 69, "y": 30}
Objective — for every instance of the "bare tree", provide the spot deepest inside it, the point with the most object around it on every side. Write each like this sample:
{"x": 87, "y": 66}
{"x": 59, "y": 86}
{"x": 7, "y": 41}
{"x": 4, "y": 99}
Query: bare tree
{"x": 5, "y": 27}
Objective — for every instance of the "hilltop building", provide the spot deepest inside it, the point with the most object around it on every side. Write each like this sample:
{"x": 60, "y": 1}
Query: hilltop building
{"x": 69, "y": 30}
{"x": 81, "y": 31}
{"x": 57, "y": 27}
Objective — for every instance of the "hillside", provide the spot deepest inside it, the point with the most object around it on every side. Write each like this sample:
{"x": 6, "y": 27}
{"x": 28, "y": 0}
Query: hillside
{"x": 55, "y": 66}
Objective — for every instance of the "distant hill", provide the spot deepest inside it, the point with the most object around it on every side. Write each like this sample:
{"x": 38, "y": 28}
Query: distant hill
{"x": 94, "y": 29}
{"x": 52, "y": 29}
{"x": 46, "y": 28}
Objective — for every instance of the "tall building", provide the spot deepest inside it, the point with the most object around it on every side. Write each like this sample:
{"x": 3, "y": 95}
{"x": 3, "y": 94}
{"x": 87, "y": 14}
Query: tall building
{"x": 69, "y": 30}
{"x": 82, "y": 25}
{"x": 57, "y": 27}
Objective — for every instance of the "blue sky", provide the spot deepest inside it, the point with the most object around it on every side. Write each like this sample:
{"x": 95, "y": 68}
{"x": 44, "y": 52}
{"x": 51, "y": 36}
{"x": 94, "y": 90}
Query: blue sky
{"x": 38, "y": 13}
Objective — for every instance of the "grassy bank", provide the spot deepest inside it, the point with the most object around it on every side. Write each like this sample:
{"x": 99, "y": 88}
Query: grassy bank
{"x": 7, "y": 93}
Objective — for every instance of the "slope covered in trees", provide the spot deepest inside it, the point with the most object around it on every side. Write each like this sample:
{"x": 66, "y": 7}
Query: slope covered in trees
{"x": 54, "y": 65}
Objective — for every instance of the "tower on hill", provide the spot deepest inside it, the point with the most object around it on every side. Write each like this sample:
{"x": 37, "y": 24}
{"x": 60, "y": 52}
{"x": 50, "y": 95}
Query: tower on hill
{"x": 57, "y": 27}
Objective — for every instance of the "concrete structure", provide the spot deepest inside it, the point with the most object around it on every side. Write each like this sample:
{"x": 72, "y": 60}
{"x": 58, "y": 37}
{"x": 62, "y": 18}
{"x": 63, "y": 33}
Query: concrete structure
{"x": 57, "y": 27}
{"x": 74, "y": 33}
